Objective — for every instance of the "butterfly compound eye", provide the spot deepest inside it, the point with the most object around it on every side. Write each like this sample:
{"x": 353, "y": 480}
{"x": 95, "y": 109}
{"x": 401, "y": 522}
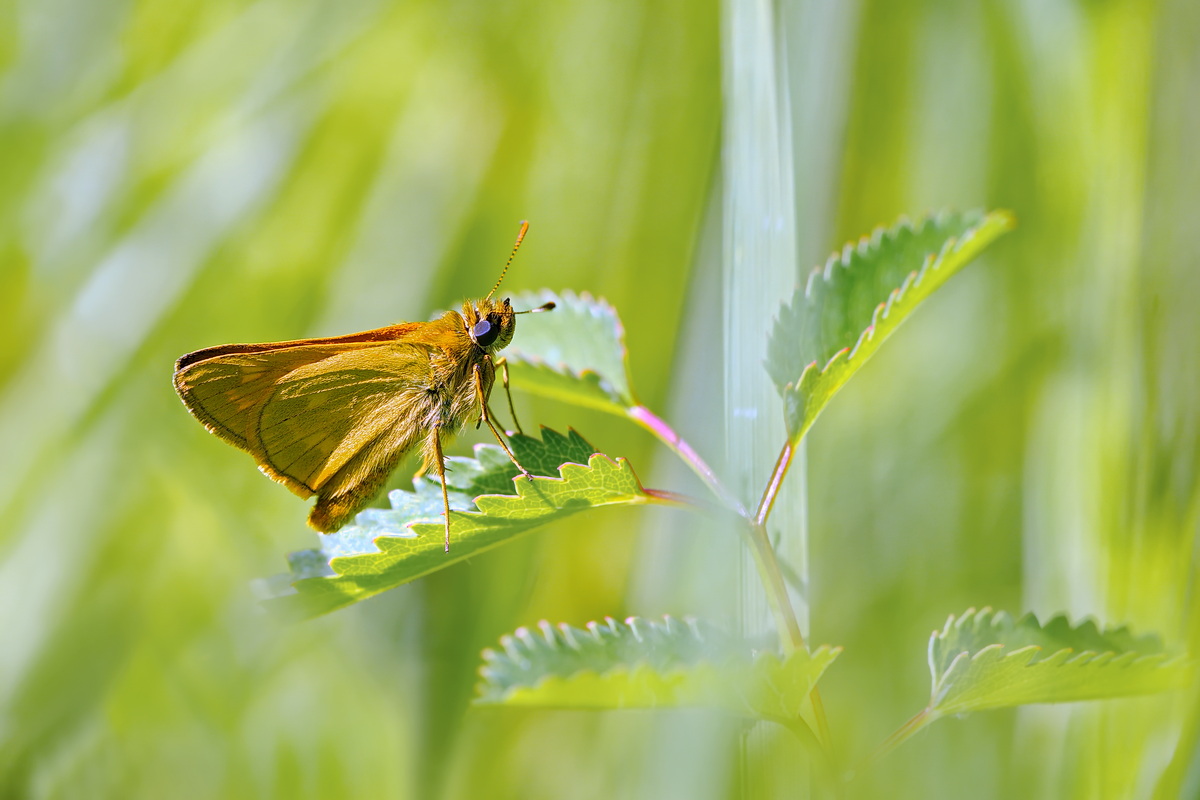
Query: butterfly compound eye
{"x": 484, "y": 333}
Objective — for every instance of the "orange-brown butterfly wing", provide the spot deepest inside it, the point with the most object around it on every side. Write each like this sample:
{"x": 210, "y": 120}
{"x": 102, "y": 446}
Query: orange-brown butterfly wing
{"x": 330, "y": 417}
{"x": 322, "y": 415}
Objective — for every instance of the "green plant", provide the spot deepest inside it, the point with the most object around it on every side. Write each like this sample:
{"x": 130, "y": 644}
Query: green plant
{"x": 823, "y": 334}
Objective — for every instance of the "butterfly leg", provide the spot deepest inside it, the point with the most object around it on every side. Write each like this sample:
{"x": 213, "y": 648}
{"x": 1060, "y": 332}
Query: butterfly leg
{"x": 502, "y": 363}
{"x": 440, "y": 463}
{"x": 486, "y": 418}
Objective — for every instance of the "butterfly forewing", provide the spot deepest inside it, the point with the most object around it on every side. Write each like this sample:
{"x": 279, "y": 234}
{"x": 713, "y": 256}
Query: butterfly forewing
{"x": 315, "y": 414}
{"x": 324, "y": 414}
{"x": 227, "y": 392}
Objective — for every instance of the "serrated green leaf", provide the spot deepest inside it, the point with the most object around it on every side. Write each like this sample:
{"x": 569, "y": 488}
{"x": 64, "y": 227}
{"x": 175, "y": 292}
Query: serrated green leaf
{"x": 648, "y": 664}
{"x": 575, "y": 353}
{"x": 490, "y": 504}
{"x": 845, "y": 311}
{"x": 983, "y": 659}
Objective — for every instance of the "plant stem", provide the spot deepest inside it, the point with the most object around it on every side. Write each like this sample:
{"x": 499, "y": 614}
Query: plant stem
{"x": 902, "y": 734}
{"x": 668, "y": 498}
{"x": 755, "y": 530}
{"x": 651, "y": 422}
{"x": 775, "y": 581}
{"x": 772, "y": 491}
{"x": 790, "y": 634}
{"x": 777, "y": 594}
{"x": 789, "y": 626}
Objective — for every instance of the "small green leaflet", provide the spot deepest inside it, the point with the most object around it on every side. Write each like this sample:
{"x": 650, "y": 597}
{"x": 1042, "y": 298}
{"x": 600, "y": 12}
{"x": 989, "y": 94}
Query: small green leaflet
{"x": 643, "y": 663}
{"x": 846, "y": 309}
{"x": 574, "y": 353}
{"x": 490, "y": 505}
{"x": 983, "y": 659}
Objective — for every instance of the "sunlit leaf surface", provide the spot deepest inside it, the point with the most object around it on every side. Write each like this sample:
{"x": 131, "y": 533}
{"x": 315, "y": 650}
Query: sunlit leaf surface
{"x": 984, "y": 659}
{"x": 841, "y": 315}
{"x": 575, "y": 353}
{"x": 490, "y": 504}
{"x": 643, "y": 663}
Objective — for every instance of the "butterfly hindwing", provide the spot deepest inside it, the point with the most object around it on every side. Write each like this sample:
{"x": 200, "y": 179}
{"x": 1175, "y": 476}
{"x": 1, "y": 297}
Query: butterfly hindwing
{"x": 365, "y": 405}
{"x": 304, "y": 410}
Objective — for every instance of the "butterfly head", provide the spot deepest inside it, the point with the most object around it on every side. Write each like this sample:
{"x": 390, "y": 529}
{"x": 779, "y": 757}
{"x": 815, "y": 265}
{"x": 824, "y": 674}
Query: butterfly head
{"x": 490, "y": 323}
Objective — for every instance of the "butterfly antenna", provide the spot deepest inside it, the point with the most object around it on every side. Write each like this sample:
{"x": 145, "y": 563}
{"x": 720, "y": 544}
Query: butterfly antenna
{"x": 512, "y": 255}
{"x": 543, "y": 307}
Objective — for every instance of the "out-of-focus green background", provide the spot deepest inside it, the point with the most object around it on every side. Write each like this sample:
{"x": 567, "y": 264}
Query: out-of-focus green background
{"x": 180, "y": 174}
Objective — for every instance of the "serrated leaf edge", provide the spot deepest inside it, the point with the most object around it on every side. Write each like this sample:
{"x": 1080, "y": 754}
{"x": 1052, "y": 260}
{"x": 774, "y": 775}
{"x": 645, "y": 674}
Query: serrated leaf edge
{"x": 766, "y": 664}
{"x": 341, "y": 566}
{"x": 1066, "y": 656}
{"x": 932, "y": 263}
{"x": 597, "y": 307}
{"x": 620, "y": 463}
{"x": 434, "y": 521}
{"x": 989, "y": 617}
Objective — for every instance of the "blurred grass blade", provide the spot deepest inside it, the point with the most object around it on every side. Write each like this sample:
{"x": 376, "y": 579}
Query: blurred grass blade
{"x": 490, "y": 505}
{"x": 643, "y": 663}
{"x": 983, "y": 659}
{"x": 846, "y": 310}
{"x": 575, "y": 353}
